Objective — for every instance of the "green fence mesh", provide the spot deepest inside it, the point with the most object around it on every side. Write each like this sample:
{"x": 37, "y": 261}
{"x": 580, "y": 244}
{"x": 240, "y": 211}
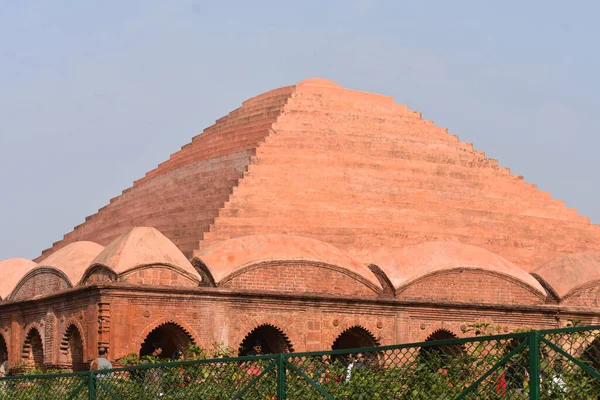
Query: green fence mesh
{"x": 551, "y": 364}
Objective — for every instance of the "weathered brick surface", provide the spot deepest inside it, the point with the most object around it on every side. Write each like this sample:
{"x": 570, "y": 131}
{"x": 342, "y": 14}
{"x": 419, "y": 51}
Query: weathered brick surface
{"x": 157, "y": 276}
{"x": 350, "y": 168}
{"x": 298, "y": 278}
{"x": 471, "y": 287}
{"x": 587, "y": 296}
{"x": 40, "y": 282}
{"x": 184, "y": 194}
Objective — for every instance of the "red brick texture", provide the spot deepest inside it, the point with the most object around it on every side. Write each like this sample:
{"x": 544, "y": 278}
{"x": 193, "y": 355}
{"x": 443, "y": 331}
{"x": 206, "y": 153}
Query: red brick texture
{"x": 183, "y": 195}
{"x": 298, "y": 277}
{"x": 353, "y": 170}
{"x": 39, "y": 282}
{"x": 157, "y": 276}
{"x": 350, "y": 168}
{"x": 471, "y": 287}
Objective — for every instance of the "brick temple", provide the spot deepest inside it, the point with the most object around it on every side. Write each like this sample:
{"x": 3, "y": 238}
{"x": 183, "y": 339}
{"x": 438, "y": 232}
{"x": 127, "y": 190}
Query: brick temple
{"x": 312, "y": 217}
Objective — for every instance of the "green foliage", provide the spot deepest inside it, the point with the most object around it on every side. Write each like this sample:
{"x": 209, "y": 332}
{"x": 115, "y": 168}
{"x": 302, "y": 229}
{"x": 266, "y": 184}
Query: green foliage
{"x": 444, "y": 370}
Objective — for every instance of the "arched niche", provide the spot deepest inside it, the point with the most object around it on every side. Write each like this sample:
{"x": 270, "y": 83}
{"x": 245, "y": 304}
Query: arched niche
{"x": 354, "y": 338}
{"x": 169, "y": 336}
{"x": 3, "y": 349}
{"x": 443, "y": 355}
{"x": 72, "y": 349}
{"x": 272, "y": 340}
{"x": 33, "y": 350}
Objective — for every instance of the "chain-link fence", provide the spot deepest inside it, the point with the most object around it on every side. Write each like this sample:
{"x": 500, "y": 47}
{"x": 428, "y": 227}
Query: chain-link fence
{"x": 551, "y": 364}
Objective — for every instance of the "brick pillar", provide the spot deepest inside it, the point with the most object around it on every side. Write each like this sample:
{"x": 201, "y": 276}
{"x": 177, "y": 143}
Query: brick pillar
{"x": 103, "y": 326}
{"x": 49, "y": 335}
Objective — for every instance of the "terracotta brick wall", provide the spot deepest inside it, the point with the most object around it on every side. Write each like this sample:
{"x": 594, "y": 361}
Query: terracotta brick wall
{"x": 40, "y": 283}
{"x": 586, "y": 296}
{"x": 358, "y": 171}
{"x": 297, "y": 277}
{"x": 157, "y": 276}
{"x": 99, "y": 275}
{"x": 469, "y": 286}
{"x": 183, "y": 195}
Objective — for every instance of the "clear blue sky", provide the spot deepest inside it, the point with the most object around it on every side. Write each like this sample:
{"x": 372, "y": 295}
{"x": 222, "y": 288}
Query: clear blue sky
{"x": 95, "y": 93}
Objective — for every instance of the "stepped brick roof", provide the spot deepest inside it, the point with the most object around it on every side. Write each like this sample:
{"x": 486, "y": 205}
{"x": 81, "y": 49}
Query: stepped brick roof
{"x": 352, "y": 169}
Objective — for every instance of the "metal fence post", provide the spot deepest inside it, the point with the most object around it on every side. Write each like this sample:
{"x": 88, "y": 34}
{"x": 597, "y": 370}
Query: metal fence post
{"x": 534, "y": 365}
{"x": 281, "y": 378}
{"x": 91, "y": 386}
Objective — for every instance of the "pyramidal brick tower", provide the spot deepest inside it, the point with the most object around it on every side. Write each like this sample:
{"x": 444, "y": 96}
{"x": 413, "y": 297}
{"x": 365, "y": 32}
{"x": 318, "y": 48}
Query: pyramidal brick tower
{"x": 349, "y": 168}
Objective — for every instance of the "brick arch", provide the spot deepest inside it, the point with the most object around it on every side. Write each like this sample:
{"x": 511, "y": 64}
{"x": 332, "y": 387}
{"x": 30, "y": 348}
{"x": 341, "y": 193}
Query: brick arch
{"x": 178, "y": 333}
{"x": 355, "y": 337}
{"x": 441, "y": 334}
{"x": 330, "y": 335}
{"x": 439, "y": 356}
{"x": 40, "y": 281}
{"x": 97, "y": 273}
{"x": 32, "y": 353}
{"x": 294, "y": 335}
{"x": 73, "y": 347}
{"x": 437, "y": 326}
{"x": 275, "y": 340}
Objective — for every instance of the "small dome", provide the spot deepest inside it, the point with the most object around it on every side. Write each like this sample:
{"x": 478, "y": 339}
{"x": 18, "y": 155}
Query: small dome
{"x": 231, "y": 255}
{"x": 142, "y": 246}
{"x": 319, "y": 82}
{"x": 13, "y": 270}
{"x": 73, "y": 259}
{"x": 566, "y": 273}
{"x": 408, "y": 264}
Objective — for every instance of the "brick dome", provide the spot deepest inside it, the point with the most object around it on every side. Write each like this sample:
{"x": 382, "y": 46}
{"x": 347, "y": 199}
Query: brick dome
{"x": 12, "y": 271}
{"x": 413, "y": 263}
{"x": 231, "y": 256}
{"x": 73, "y": 259}
{"x": 566, "y": 274}
{"x": 140, "y": 247}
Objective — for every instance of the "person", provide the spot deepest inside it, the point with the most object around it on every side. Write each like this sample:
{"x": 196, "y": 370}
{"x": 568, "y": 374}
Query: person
{"x": 178, "y": 356}
{"x": 101, "y": 362}
{"x": 256, "y": 349}
{"x": 4, "y": 371}
{"x": 558, "y": 385}
{"x": 156, "y": 373}
{"x": 254, "y": 368}
{"x": 516, "y": 375}
{"x": 354, "y": 364}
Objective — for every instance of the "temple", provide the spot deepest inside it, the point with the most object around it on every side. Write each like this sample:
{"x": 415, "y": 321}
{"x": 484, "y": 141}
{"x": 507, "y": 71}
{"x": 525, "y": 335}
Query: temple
{"x": 312, "y": 217}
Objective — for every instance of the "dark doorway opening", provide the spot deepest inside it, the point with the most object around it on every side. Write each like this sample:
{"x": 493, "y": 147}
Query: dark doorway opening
{"x": 170, "y": 337}
{"x": 271, "y": 339}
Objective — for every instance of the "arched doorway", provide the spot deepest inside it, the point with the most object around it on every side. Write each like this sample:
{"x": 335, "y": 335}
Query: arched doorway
{"x": 271, "y": 339}
{"x": 354, "y": 338}
{"x": 441, "y": 356}
{"x": 33, "y": 350}
{"x": 170, "y": 337}
{"x": 71, "y": 348}
{"x": 3, "y": 349}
